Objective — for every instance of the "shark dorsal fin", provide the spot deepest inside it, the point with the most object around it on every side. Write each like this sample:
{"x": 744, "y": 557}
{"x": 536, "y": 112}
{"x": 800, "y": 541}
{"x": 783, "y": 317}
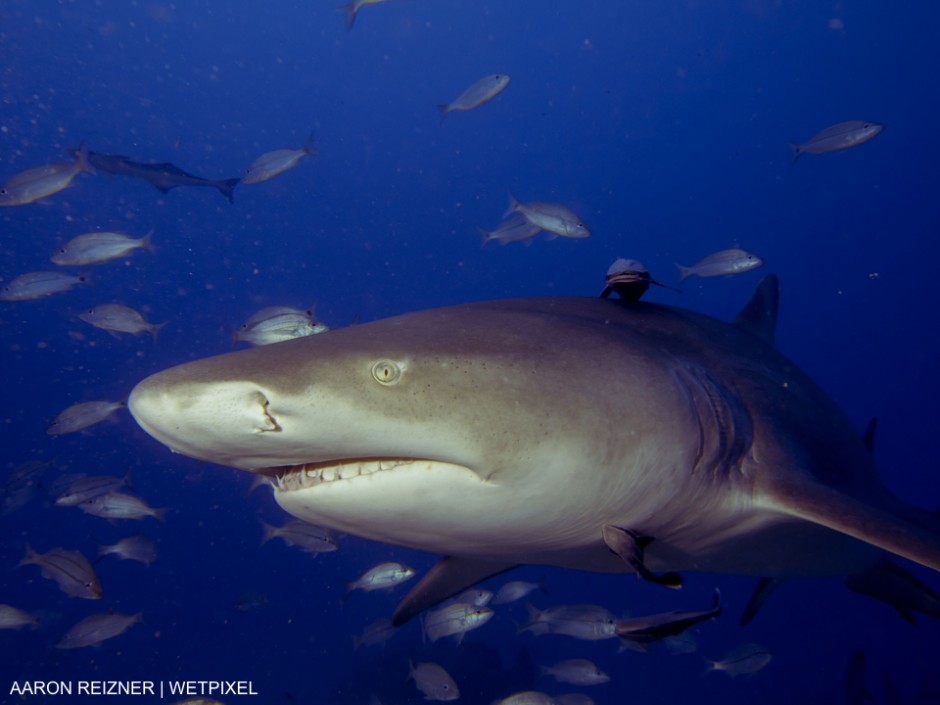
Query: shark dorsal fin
{"x": 759, "y": 315}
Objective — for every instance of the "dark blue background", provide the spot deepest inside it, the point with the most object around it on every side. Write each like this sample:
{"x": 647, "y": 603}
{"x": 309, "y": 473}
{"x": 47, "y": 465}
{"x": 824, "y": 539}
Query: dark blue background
{"x": 665, "y": 125}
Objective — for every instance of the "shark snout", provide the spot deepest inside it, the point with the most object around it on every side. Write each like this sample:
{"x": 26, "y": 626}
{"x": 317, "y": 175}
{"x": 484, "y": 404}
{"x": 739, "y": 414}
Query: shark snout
{"x": 205, "y": 420}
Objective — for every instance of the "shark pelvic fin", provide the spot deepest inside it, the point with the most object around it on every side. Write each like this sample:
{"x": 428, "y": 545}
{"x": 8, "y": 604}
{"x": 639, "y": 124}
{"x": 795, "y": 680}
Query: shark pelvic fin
{"x": 759, "y": 315}
{"x": 629, "y": 546}
{"x": 450, "y": 576}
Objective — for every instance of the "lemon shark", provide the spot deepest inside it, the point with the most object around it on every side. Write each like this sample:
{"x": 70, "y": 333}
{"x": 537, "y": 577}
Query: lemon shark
{"x": 593, "y": 434}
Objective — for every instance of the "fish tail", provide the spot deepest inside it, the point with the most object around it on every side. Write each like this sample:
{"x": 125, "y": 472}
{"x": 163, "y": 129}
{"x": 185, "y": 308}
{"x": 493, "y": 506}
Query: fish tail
{"x": 684, "y": 272}
{"x": 444, "y": 108}
{"x": 270, "y": 532}
{"x": 797, "y": 151}
{"x": 146, "y": 242}
{"x": 29, "y": 558}
{"x": 81, "y": 159}
{"x": 154, "y": 328}
{"x": 227, "y": 188}
{"x": 513, "y": 206}
{"x": 350, "y": 9}
{"x": 308, "y": 147}
{"x": 487, "y": 236}
{"x": 710, "y": 667}
{"x": 160, "y": 514}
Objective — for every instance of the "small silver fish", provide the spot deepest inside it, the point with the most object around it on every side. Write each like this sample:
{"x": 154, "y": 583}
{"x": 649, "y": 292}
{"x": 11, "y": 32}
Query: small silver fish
{"x": 577, "y": 671}
{"x": 351, "y": 8}
{"x": 82, "y": 415}
{"x": 251, "y": 600}
{"x": 586, "y": 622}
{"x": 22, "y": 485}
{"x": 719, "y": 264}
{"x": 378, "y": 632}
{"x": 455, "y": 620}
{"x": 433, "y": 681}
{"x": 527, "y": 697}
{"x": 119, "y": 505}
{"x": 271, "y": 164}
{"x": 303, "y": 535}
{"x": 482, "y": 91}
{"x": 69, "y": 569}
{"x": 134, "y": 548}
{"x": 843, "y": 135}
{"x": 117, "y": 318}
{"x": 515, "y": 229}
{"x": 553, "y": 217}
{"x": 384, "y": 576}
{"x": 13, "y": 618}
{"x": 275, "y": 324}
{"x": 573, "y": 699}
{"x": 744, "y": 660}
{"x": 36, "y": 285}
{"x": 39, "y": 182}
{"x": 516, "y": 590}
{"x": 473, "y": 596}
{"x": 97, "y": 628}
{"x": 680, "y": 644}
{"x": 94, "y": 248}
{"x": 87, "y": 487}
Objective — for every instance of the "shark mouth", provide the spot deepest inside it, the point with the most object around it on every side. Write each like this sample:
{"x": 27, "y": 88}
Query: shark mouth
{"x": 307, "y": 475}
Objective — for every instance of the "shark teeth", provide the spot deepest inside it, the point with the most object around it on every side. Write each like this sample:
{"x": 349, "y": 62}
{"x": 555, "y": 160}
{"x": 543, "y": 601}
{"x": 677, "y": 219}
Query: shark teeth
{"x": 299, "y": 477}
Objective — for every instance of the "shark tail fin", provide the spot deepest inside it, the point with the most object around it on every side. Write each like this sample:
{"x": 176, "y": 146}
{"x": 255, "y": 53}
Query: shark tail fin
{"x": 830, "y": 508}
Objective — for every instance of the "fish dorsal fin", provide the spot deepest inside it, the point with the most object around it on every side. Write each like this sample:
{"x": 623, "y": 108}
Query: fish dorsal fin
{"x": 450, "y": 576}
{"x": 759, "y": 315}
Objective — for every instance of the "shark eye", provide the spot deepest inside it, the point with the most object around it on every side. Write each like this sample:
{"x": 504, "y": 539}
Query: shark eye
{"x": 386, "y": 372}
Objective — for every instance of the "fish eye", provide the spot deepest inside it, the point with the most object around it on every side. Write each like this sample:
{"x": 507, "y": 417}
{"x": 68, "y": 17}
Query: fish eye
{"x": 386, "y": 372}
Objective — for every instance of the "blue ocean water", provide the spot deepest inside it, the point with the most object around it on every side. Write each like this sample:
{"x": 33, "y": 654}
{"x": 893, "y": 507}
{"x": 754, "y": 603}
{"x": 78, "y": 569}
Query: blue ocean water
{"x": 665, "y": 126}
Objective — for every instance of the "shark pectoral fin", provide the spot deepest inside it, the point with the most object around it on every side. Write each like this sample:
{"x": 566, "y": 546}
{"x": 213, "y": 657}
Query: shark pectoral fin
{"x": 827, "y": 507}
{"x": 895, "y": 586}
{"x": 765, "y": 588}
{"x": 629, "y": 546}
{"x": 450, "y": 576}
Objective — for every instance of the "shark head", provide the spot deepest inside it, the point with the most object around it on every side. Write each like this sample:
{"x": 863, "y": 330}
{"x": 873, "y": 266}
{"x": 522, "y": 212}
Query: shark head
{"x": 437, "y": 430}
{"x": 586, "y": 433}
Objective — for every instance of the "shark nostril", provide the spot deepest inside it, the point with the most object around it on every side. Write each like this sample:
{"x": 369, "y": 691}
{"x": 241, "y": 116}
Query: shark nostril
{"x": 268, "y": 422}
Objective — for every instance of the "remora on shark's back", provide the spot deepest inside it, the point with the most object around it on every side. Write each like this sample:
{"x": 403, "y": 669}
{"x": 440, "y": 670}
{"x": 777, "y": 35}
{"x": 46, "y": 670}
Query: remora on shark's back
{"x": 555, "y": 431}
